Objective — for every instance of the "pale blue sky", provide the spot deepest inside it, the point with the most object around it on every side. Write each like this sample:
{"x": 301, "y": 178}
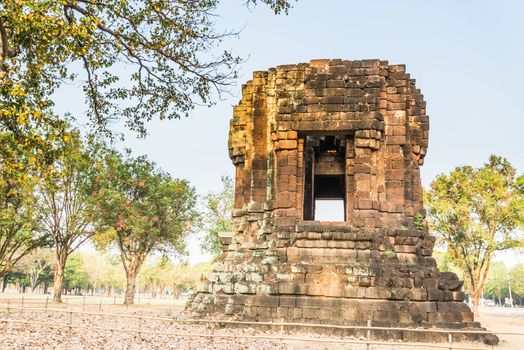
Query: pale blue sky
{"x": 467, "y": 58}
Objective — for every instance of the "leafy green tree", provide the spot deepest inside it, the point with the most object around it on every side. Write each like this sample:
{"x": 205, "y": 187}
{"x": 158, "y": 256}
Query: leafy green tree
{"x": 46, "y": 278}
{"x": 497, "y": 281}
{"x": 151, "y": 277}
{"x": 156, "y": 275}
{"x": 6, "y": 279}
{"x": 475, "y": 212}
{"x": 445, "y": 263}
{"x": 65, "y": 196}
{"x": 111, "y": 275}
{"x": 75, "y": 274}
{"x": 144, "y": 210}
{"x": 161, "y": 275}
{"x": 20, "y": 278}
{"x": 218, "y": 215}
{"x": 37, "y": 266}
{"x": 516, "y": 278}
{"x": 19, "y": 212}
{"x": 186, "y": 278}
{"x": 165, "y": 46}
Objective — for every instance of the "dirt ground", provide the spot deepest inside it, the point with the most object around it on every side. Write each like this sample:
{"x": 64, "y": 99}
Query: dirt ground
{"x": 498, "y": 319}
{"x": 39, "y": 336}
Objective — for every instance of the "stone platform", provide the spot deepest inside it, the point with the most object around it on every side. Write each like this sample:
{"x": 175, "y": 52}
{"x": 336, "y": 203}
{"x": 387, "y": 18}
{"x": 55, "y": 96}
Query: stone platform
{"x": 338, "y": 277}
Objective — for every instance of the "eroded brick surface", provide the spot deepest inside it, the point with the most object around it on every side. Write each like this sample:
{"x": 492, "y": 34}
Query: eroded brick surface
{"x": 377, "y": 263}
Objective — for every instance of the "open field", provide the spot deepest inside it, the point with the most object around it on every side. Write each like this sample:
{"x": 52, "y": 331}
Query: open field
{"x": 75, "y": 300}
{"x": 141, "y": 332}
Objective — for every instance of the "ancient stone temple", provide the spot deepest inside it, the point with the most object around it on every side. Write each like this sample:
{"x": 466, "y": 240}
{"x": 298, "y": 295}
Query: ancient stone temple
{"x": 354, "y": 133}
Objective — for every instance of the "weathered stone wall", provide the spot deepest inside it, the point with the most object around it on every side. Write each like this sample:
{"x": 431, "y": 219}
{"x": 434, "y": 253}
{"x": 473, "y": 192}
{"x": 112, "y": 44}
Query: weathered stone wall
{"x": 377, "y": 263}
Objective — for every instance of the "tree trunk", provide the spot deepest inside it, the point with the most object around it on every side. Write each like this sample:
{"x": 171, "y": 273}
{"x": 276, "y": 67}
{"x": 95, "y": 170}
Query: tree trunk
{"x": 475, "y": 297}
{"x": 5, "y": 280}
{"x": 129, "y": 296}
{"x": 58, "y": 281}
{"x": 33, "y": 286}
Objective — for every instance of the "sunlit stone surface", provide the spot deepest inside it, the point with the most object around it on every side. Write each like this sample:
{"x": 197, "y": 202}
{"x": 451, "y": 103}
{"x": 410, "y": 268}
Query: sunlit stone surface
{"x": 351, "y": 131}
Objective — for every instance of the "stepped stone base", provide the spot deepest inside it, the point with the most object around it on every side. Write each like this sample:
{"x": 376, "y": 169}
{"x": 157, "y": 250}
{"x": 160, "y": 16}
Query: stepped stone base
{"x": 338, "y": 277}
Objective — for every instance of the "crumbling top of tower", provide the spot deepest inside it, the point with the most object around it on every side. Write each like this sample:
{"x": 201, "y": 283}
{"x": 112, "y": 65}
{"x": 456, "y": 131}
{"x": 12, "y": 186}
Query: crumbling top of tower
{"x": 354, "y": 131}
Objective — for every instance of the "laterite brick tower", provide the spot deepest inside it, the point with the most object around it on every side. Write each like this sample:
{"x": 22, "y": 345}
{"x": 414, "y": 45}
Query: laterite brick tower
{"x": 352, "y": 131}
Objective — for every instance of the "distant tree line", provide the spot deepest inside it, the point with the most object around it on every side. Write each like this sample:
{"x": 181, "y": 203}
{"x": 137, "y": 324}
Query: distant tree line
{"x": 84, "y": 190}
{"x": 505, "y": 284}
{"x": 500, "y": 280}
{"x": 102, "y": 274}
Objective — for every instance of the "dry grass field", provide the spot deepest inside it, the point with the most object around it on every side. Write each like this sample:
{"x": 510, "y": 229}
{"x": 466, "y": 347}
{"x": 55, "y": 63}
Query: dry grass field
{"x": 41, "y": 330}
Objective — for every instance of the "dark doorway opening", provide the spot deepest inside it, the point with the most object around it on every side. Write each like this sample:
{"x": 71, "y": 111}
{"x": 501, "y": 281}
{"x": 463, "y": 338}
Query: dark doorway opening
{"x": 329, "y": 187}
{"x": 325, "y": 185}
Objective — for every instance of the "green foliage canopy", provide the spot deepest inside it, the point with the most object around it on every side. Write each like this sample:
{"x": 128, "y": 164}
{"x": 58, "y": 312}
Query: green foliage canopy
{"x": 19, "y": 211}
{"x": 142, "y": 209}
{"x": 476, "y": 212}
{"x": 168, "y": 51}
{"x": 501, "y": 280}
{"x": 37, "y": 266}
{"x": 65, "y": 193}
{"x": 497, "y": 279}
{"x": 65, "y": 190}
{"x": 516, "y": 278}
{"x": 218, "y": 215}
{"x": 75, "y": 274}
{"x": 160, "y": 275}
